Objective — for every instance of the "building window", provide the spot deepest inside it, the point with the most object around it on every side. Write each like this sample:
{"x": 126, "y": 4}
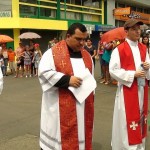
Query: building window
{"x": 91, "y": 3}
{"x": 46, "y": 12}
{"x": 5, "y": 5}
{"x": 77, "y": 2}
{"x": 146, "y": 11}
{"x": 29, "y": 1}
{"x": 121, "y": 5}
{"x": 6, "y": 8}
{"x": 68, "y": 1}
{"x": 133, "y": 8}
{"x": 119, "y": 23}
{"x": 28, "y": 11}
{"x": 139, "y": 9}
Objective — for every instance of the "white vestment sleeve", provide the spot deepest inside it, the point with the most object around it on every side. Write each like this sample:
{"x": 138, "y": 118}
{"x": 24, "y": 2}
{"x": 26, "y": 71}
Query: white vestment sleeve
{"x": 1, "y": 81}
{"x": 48, "y": 76}
{"x": 123, "y": 76}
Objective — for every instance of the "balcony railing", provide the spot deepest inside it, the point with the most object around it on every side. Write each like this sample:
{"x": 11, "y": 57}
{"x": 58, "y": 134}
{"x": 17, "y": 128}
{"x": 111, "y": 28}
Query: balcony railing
{"x": 61, "y": 11}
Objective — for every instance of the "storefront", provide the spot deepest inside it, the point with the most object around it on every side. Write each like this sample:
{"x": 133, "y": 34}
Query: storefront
{"x": 123, "y": 14}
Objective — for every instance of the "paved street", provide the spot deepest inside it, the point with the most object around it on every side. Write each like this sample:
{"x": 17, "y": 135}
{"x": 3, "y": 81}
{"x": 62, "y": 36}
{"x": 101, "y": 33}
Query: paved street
{"x": 20, "y": 104}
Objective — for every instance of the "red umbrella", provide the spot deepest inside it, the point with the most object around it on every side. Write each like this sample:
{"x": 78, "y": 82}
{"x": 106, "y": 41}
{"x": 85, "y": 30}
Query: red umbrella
{"x": 115, "y": 34}
{"x": 5, "y": 39}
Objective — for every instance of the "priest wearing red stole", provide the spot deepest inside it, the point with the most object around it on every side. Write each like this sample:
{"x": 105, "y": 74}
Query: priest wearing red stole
{"x": 129, "y": 65}
{"x": 66, "y": 124}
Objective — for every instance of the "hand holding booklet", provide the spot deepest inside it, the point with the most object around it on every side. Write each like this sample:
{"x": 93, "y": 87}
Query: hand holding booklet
{"x": 88, "y": 86}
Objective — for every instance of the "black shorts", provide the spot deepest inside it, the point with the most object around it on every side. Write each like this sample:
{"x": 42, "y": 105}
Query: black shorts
{"x": 21, "y": 63}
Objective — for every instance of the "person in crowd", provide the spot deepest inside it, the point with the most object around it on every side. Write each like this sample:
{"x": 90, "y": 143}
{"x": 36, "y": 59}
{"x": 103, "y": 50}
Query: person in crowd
{"x": 91, "y": 49}
{"x": 27, "y": 61}
{"x": 63, "y": 118}
{"x": 99, "y": 54}
{"x": 129, "y": 65}
{"x": 5, "y": 57}
{"x": 0, "y": 49}
{"x": 145, "y": 41}
{"x": 37, "y": 57}
{"x": 52, "y": 42}
{"x": 1, "y": 80}
{"x": 11, "y": 59}
{"x": 2, "y": 64}
{"x": 108, "y": 47}
{"x": 20, "y": 60}
{"x": 31, "y": 47}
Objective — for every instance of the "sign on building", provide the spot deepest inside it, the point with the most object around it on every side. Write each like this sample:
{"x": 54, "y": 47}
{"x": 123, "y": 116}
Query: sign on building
{"x": 104, "y": 27}
{"x": 145, "y": 18}
{"x": 5, "y": 14}
{"x": 122, "y": 11}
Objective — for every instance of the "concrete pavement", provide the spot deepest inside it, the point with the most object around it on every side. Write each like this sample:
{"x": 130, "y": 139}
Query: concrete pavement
{"x": 20, "y": 104}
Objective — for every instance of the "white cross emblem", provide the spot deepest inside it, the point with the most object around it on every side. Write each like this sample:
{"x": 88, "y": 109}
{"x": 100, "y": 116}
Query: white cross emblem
{"x": 133, "y": 125}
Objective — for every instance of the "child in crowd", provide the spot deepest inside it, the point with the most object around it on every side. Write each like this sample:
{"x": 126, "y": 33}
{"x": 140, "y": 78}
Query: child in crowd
{"x": 27, "y": 61}
{"x": 11, "y": 59}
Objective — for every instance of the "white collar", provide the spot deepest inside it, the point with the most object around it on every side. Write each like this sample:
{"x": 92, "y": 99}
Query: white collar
{"x": 132, "y": 43}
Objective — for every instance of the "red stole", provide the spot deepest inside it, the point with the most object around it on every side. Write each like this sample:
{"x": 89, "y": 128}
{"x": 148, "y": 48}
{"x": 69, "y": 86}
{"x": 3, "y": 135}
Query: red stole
{"x": 136, "y": 124}
{"x": 67, "y": 101}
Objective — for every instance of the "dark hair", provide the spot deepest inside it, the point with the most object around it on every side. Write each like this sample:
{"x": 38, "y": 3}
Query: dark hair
{"x": 32, "y": 41}
{"x": 1, "y": 56}
{"x": 75, "y": 26}
{"x": 10, "y": 48}
{"x": 145, "y": 36}
{"x": 89, "y": 39}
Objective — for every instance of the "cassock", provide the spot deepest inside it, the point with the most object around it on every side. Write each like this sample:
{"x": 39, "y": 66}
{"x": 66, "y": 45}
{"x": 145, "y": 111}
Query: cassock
{"x": 120, "y": 132}
{"x": 1, "y": 81}
{"x": 65, "y": 124}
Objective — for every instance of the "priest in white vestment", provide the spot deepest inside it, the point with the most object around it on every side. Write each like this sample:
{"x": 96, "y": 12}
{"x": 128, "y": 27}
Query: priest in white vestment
{"x": 1, "y": 81}
{"x": 129, "y": 65}
{"x": 66, "y": 123}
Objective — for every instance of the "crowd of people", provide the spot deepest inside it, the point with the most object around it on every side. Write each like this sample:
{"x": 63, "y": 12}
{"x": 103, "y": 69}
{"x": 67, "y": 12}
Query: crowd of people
{"x": 66, "y": 122}
{"x": 104, "y": 52}
{"x": 22, "y": 62}
{"x": 126, "y": 61}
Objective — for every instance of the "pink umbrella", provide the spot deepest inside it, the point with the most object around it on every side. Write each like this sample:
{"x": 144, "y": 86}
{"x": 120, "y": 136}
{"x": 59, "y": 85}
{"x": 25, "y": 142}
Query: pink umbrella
{"x": 29, "y": 35}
